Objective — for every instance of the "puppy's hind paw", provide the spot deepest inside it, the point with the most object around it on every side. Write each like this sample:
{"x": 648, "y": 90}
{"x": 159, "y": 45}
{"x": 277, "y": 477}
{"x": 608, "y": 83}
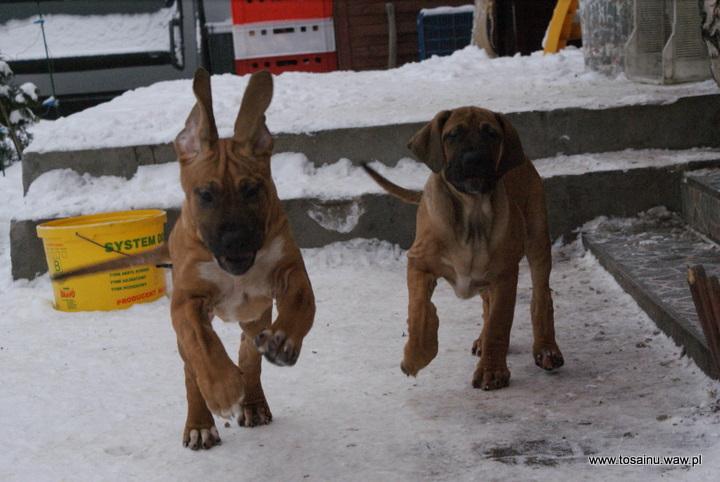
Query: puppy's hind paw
{"x": 254, "y": 414}
{"x": 490, "y": 378}
{"x": 548, "y": 358}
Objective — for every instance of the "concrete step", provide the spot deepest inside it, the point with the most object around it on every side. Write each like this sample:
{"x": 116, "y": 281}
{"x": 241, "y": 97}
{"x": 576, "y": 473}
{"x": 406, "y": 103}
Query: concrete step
{"x": 572, "y": 200}
{"x": 649, "y": 255}
{"x": 701, "y": 201}
{"x": 677, "y": 125}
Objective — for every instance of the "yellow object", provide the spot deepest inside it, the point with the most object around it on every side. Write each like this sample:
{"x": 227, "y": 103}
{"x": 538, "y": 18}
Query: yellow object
{"x": 563, "y": 26}
{"x": 75, "y": 242}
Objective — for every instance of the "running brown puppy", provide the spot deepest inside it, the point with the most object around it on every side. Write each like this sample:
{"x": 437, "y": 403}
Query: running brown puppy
{"x": 232, "y": 254}
{"x": 481, "y": 210}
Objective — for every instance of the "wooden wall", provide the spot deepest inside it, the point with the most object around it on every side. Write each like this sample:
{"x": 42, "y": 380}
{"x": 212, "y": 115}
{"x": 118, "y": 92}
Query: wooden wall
{"x": 361, "y": 31}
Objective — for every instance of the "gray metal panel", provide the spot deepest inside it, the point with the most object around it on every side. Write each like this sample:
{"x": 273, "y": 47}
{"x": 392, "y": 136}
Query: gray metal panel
{"x": 109, "y": 80}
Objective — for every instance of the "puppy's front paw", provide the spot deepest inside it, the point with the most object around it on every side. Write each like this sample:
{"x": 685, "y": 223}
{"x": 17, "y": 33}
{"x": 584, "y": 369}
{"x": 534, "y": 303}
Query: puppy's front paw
{"x": 416, "y": 358}
{"x": 196, "y": 438}
{"x": 408, "y": 369}
{"x": 548, "y": 357}
{"x": 223, "y": 392}
{"x": 277, "y": 347}
{"x": 490, "y": 376}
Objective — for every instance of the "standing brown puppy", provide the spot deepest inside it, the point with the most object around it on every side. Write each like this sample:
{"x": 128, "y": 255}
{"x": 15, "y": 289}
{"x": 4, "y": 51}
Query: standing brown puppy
{"x": 481, "y": 210}
{"x": 232, "y": 254}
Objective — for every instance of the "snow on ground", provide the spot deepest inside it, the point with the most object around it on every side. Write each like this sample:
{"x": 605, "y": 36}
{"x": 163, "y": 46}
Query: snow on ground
{"x": 99, "y": 396}
{"x": 155, "y": 114}
{"x": 66, "y": 193}
{"x": 86, "y": 35}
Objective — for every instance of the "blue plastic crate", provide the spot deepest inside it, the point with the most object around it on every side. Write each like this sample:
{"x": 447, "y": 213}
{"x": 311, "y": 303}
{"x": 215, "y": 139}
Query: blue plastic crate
{"x": 443, "y": 31}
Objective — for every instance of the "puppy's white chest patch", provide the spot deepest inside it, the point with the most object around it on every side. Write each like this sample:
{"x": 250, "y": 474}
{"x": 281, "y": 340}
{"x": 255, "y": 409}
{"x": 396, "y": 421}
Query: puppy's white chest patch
{"x": 470, "y": 269}
{"x": 245, "y": 297}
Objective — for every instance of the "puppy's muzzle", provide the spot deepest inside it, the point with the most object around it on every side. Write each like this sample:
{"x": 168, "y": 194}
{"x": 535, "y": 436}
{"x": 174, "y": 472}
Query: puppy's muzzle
{"x": 236, "y": 249}
{"x": 472, "y": 172}
{"x": 237, "y": 264}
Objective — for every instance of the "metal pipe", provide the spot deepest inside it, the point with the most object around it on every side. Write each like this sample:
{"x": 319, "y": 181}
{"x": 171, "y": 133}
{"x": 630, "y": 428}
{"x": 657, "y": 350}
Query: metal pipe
{"x": 392, "y": 35}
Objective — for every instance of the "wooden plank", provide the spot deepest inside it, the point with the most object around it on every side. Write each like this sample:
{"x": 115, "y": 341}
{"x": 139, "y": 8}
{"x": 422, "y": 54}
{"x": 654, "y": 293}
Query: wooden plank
{"x": 343, "y": 42}
{"x": 701, "y": 295}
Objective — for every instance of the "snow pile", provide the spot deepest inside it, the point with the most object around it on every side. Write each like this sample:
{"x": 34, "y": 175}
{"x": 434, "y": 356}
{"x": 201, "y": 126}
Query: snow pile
{"x": 415, "y": 92}
{"x": 87, "y": 35}
{"x": 447, "y": 10}
{"x": 30, "y": 90}
{"x": 64, "y": 192}
{"x": 296, "y": 177}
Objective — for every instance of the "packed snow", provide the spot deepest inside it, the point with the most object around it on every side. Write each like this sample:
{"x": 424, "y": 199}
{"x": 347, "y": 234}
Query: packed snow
{"x": 100, "y": 396}
{"x": 155, "y": 114}
{"x": 86, "y": 35}
{"x": 66, "y": 192}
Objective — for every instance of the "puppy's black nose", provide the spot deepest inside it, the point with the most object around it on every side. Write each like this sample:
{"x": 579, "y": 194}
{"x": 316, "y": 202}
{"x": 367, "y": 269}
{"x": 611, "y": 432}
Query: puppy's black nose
{"x": 477, "y": 163}
{"x": 472, "y": 157}
{"x": 231, "y": 240}
{"x": 234, "y": 238}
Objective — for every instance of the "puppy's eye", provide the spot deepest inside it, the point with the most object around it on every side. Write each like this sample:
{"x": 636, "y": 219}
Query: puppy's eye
{"x": 206, "y": 196}
{"x": 250, "y": 191}
{"x": 490, "y": 133}
{"x": 452, "y": 135}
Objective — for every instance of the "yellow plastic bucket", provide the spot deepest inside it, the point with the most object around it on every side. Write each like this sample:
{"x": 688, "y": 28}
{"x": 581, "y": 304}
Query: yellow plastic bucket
{"x": 75, "y": 242}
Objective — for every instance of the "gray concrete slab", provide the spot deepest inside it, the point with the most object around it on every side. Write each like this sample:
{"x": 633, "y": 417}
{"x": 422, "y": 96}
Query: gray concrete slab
{"x": 679, "y": 125}
{"x": 649, "y": 259}
{"x": 571, "y": 201}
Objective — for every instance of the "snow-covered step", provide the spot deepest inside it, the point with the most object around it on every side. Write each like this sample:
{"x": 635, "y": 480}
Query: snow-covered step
{"x": 649, "y": 255}
{"x": 315, "y": 222}
{"x": 71, "y": 142}
{"x": 701, "y": 201}
{"x": 338, "y": 201}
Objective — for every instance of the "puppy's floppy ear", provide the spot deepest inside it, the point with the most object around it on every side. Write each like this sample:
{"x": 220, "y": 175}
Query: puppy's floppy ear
{"x": 427, "y": 145}
{"x": 512, "y": 152}
{"x": 200, "y": 132}
{"x": 250, "y": 125}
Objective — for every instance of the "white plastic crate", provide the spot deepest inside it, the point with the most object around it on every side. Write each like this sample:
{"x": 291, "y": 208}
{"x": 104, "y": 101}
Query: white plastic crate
{"x": 272, "y": 39}
{"x": 666, "y": 44}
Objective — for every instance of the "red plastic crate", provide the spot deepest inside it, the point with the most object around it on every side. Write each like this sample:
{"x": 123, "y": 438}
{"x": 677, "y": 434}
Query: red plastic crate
{"x": 252, "y": 11}
{"x": 284, "y": 37}
{"x": 318, "y": 62}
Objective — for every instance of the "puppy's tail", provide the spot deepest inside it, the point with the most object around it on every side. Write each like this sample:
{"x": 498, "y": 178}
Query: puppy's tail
{"x": 407, "y": 195}
{"x": 159, "y": 256}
